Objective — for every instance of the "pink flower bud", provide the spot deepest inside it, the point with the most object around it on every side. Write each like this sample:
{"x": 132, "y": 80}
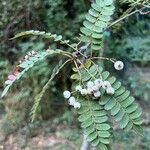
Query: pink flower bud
{"x": 12, "y": 77}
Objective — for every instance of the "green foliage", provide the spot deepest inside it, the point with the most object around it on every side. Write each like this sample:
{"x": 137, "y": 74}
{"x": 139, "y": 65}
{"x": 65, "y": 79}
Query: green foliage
{"x": 94, "y": 113}
{"x": 94, "y": 122}
{"x": 122, "y": 107}
{"x": 133, "y": 2}
{"x": 96, "y": 22}
{"x": 25, "y": 65}
{"x": 43, "y": 34}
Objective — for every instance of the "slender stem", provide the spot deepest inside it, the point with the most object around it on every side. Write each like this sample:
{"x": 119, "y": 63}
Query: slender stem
{"x": 97, "y": 69}
{"x": 87, "y": 70}
{"x": 76, "y": 50}
{"x": 39, "y": 97}
{"x": 78, "y": 71}
{"x": 64, "y": 53}
{"x": 122, "y": 18}
{"x": 103, "y": 58}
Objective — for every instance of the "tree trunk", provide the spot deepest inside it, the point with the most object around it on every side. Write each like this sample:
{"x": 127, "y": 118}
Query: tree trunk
{"x": 85, "y": 144}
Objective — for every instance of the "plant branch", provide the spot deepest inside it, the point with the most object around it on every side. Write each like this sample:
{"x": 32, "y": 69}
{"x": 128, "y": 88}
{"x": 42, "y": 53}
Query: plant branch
{"x": 39, "y": 97}
{"x": 124, "y": 17}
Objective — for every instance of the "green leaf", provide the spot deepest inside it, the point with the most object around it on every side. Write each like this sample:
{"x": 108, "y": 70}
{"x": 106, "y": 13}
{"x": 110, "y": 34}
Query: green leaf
{"x": 93, "y": 12}
{"x": 88, "y": 25}
{"x": 127, "y": 102}
{"x": 138, "y": 129}
{"x": 104, "y": 134}
{"x": 6, "y": 90}
{"x": 138, "y": 121}
{"x": 105, "y": 75}
{"x": 95, "y": 142}
{"x": 92, "y": 136}
{"x": 99, "y": 113}
{"x": 104, "y": 100}
{"x": 131, "y": 108}
{"x": 89, "y": 130}
{"x": 108, "y": 2}
{"x": 124, "y": 96}
{"x": 115, "y": 109}
{"x": 116, "y": 85}
{"x": 85, "y": 31}
{"x": 120, "y": 91}
{"x": 100, "y": 119}
{"x": 96, "y": 47}
{"x": 105, "y": 140}
{"x": 101, "y": 24}
{"x": 110, "y": 104}
{"x": 96, "y": 7}
{"x": 83, "y": 110}
{"x": 103, "y": 127}
{"x": 90, "y": 18}
{"x": 124, "y": 121}
{"x": 85, "y": 38}
{"x": 112, "y": 80}
{"x": 119, "y": 115}
{"x": 75, "y": 77}
{"x": 84, "y": 117}
{"x": 87, "y": 123}
{"x": 136, "y": 114}
{"x": 102, "y": 146}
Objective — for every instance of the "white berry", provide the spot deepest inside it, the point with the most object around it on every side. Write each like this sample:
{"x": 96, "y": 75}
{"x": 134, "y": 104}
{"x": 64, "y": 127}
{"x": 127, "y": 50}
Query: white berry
{"x": 33, "y": 52}
{"x": 106, "y": 84}
{"x": 110, "y": 90}
{"x": 78, "y": 88}
{"x": 119, "y": 65}
{"x": 77, "y": 105}
{"x": 90, "y": 84}
{"x": 98, "y": 82}
{"x": 89, "y": 91}
{"x": 72, "y": 101}
{"x": 97, "y": 94}
{"x": 26, "y": 57}
{"x": 95, "y": 88}
{"x": 66, "y": 94}
{"x": 83, "y": 92}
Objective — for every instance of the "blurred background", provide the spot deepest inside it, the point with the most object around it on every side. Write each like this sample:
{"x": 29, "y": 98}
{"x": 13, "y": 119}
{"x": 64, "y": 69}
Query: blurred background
{"x": 56, "y": 126}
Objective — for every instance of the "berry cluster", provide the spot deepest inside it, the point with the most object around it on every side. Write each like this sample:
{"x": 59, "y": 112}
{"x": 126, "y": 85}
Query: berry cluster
{"x": 71, "y": 100}
{"x": 93, "y": 88}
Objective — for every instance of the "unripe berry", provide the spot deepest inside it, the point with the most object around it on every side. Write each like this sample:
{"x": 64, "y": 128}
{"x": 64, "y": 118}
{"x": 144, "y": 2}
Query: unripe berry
{"x": 66, "y": 94}
{"x": 83, "y": 92}
{"x": 119, "y": 65}
{"x": 106, "y": 84}
{"x": 95, "y": 88}
{"x": 90, "y": 84}
{"x": 89, "y": 91}
{"x": 110, "y": 90}
{"x": 33, "y": 52}
{"x": 72, "y": 101}
{"x": 26, "y": 57}
{"x": 78, "y": 88}
{"x": 77, "y": 105}
{"x": 97, "y": 94}
{"x": 98, "y": 82}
